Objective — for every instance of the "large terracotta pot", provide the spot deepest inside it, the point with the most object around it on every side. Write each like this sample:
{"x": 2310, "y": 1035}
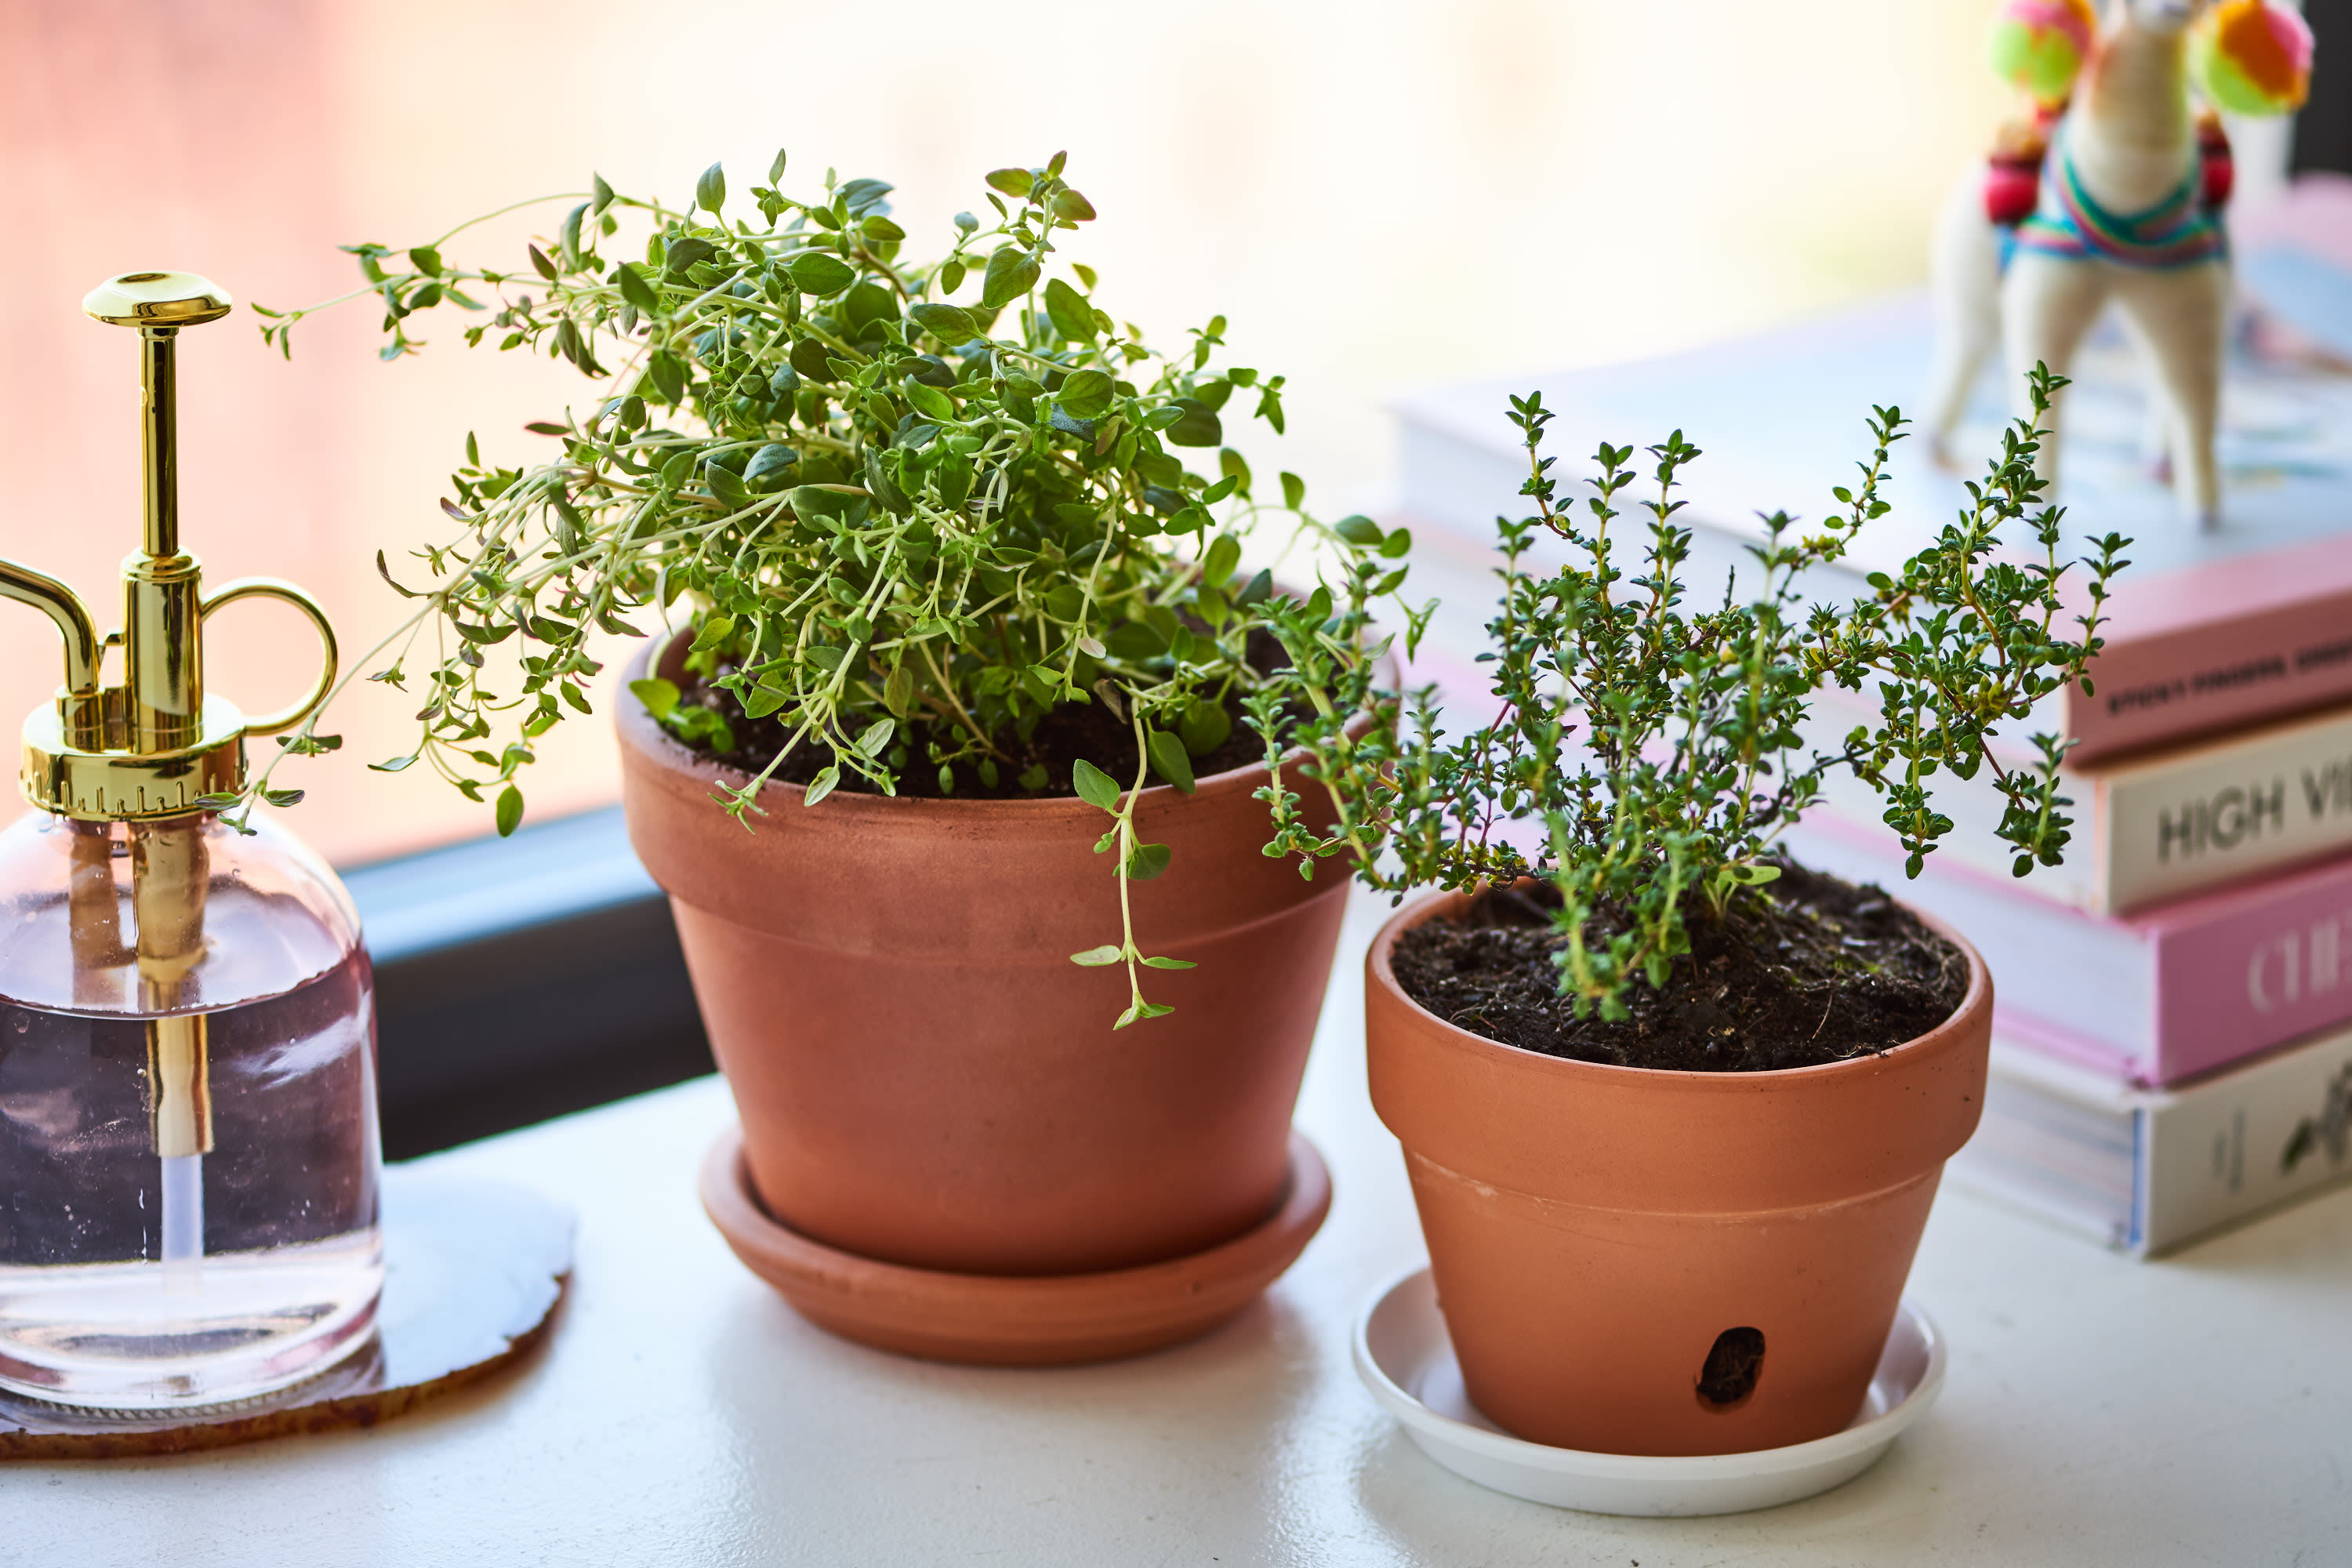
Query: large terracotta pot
{"x": 922, "y": 1074}
{"x": 1594, "y": 1229}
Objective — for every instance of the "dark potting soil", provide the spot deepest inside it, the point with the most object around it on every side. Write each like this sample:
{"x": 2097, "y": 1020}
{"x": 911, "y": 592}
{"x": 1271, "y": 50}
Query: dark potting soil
{"x": 1063, "y": 736}
{"x": 1805, "y": 970}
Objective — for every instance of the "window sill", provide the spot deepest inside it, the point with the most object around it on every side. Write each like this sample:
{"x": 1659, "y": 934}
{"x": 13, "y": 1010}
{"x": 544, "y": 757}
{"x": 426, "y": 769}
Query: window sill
{"x": 522, "y": 979}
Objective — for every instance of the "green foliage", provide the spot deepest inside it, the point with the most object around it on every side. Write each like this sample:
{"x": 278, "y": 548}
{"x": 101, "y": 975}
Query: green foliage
{"x": 1658, "y": 745}
{"x": 890, "y": 497}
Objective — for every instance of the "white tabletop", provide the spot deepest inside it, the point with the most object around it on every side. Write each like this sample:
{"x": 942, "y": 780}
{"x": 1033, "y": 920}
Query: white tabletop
{"x": 2098, "y": 1411}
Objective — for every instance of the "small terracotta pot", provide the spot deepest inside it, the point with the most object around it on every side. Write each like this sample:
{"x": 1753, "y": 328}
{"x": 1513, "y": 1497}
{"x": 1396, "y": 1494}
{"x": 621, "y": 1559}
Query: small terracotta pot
{"x": 925, "y": 1078}
{"x": 1593, "y": 1229}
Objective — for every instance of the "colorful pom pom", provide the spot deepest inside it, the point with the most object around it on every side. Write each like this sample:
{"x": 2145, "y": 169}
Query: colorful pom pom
{"x": 2039, "y": 46}
{"x": 2013, "y": 171}
{"x": 2251, "y": 57}
{"x": 2217, "y": 167}
{"x": 2012, "y": 191}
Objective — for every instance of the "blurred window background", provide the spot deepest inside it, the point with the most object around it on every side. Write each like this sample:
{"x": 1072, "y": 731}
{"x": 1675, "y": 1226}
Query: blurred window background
{"x": 1379, "y": 195}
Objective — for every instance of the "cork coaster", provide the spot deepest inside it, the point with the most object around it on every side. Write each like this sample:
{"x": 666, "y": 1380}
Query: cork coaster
{"x": 473, "y": 1271}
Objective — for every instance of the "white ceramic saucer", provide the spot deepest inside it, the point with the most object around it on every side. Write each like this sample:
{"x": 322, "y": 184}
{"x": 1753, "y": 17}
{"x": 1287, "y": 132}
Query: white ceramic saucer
{"x": 1405, "y": 1359}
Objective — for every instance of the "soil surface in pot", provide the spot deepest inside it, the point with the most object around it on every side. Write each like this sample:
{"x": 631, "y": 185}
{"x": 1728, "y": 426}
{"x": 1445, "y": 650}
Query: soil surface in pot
{"x": 1809, "y": 970}
{"x": 1061, "y": 737}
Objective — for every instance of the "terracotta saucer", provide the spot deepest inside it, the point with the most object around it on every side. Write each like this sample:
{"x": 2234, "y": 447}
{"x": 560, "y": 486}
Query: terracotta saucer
{"x": 995, "y": 1319}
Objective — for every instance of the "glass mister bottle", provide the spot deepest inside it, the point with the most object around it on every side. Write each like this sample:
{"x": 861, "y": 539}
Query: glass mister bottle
{"x": 188, "y": 1145}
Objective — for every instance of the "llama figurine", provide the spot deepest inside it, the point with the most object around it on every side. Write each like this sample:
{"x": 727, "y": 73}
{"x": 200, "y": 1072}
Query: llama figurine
{"x": 2126, "y": 206}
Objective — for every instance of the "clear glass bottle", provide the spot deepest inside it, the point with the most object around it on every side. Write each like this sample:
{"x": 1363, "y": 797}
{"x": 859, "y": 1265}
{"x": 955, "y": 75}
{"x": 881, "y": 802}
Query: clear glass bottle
{"x": 188, "y": 1147}
{"x": 133, "y": 1280}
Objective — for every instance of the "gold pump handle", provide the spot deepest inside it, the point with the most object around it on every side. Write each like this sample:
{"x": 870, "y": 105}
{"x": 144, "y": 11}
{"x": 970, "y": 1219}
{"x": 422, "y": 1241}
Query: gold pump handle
{"x": 157, "y": 300}
{"x": 285, "y": 719}
{"x": 159, "y": 304}
{"x": 162, "y": 657}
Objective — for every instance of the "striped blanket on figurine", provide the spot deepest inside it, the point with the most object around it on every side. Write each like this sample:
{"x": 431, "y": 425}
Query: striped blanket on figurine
{"x": 2178, "y": 231}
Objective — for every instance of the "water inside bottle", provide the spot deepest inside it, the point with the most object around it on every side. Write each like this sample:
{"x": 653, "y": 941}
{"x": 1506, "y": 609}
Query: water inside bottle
{"x": 91, "y": 1313}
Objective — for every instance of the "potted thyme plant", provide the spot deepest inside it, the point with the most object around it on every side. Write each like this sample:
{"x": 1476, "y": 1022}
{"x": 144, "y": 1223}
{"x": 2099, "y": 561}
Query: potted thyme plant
{"x": 1673, "y": 1109}
{"x": 953, "y": 625}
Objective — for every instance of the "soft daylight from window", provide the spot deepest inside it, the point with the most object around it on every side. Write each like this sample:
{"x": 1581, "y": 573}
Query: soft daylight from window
{"x": 1493, "y": 184}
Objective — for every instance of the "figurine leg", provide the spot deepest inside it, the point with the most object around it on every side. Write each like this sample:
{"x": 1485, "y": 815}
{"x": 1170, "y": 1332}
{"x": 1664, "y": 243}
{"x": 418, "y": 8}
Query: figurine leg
{"x": 2047, "y": 304}
{"x": 2182, "y": 315}
{"x": 1965, "y": 293}
{"x": 2160, "y": 424}
{"x": 2159, "y": 429}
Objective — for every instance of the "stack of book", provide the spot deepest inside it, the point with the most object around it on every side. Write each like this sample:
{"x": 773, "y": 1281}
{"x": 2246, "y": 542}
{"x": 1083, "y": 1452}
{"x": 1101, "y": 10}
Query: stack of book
{"x": 2173, "y": 1004}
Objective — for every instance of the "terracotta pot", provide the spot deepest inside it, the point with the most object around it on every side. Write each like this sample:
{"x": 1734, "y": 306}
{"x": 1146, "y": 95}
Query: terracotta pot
{"x": 924, "y": 1078}
{"x": 1593, "y": 1229}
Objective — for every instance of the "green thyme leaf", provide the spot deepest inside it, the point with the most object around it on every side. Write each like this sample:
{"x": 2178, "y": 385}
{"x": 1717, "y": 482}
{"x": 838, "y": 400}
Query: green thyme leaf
{"x": 659, "y": 697}
{"x": 951, "y": 325}
{"x": 1195, "y": 425}
{"x": 1070, "y": 313}
{"x": 1170, "y": 761}
{"x": 1012, "y": 272}
{"x": 1094, "y": 786}
{"x": 814, "y": 272}
{"x": 634, "y": 289}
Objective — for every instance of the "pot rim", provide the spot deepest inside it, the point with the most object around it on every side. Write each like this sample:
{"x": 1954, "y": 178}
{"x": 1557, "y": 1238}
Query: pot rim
{"x": 1979, "y": 996}
{"x": 637, "y": 728}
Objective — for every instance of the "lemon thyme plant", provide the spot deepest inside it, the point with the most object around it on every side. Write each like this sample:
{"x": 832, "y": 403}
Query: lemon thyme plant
{"x": 908, "y": 510}
{"x": 1688, "y": 717}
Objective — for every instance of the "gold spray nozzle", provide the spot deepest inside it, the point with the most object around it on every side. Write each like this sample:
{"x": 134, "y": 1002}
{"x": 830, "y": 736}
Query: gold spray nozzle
{"x": 157, "y": 744}
{"x": 82, "y": 709}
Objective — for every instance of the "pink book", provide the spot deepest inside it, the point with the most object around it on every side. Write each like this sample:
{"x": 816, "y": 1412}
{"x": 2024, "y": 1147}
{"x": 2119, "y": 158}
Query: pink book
{"x": 2151, "y": 998}
{"x": 2220, "y": 645}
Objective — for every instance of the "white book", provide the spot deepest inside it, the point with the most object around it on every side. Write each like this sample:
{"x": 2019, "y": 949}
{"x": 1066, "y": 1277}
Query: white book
{"x": 2146, "y": 1170}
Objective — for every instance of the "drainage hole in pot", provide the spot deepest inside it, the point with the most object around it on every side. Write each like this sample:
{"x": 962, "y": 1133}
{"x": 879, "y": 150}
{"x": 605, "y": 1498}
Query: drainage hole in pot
{"x": 1729, "y": 1375}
